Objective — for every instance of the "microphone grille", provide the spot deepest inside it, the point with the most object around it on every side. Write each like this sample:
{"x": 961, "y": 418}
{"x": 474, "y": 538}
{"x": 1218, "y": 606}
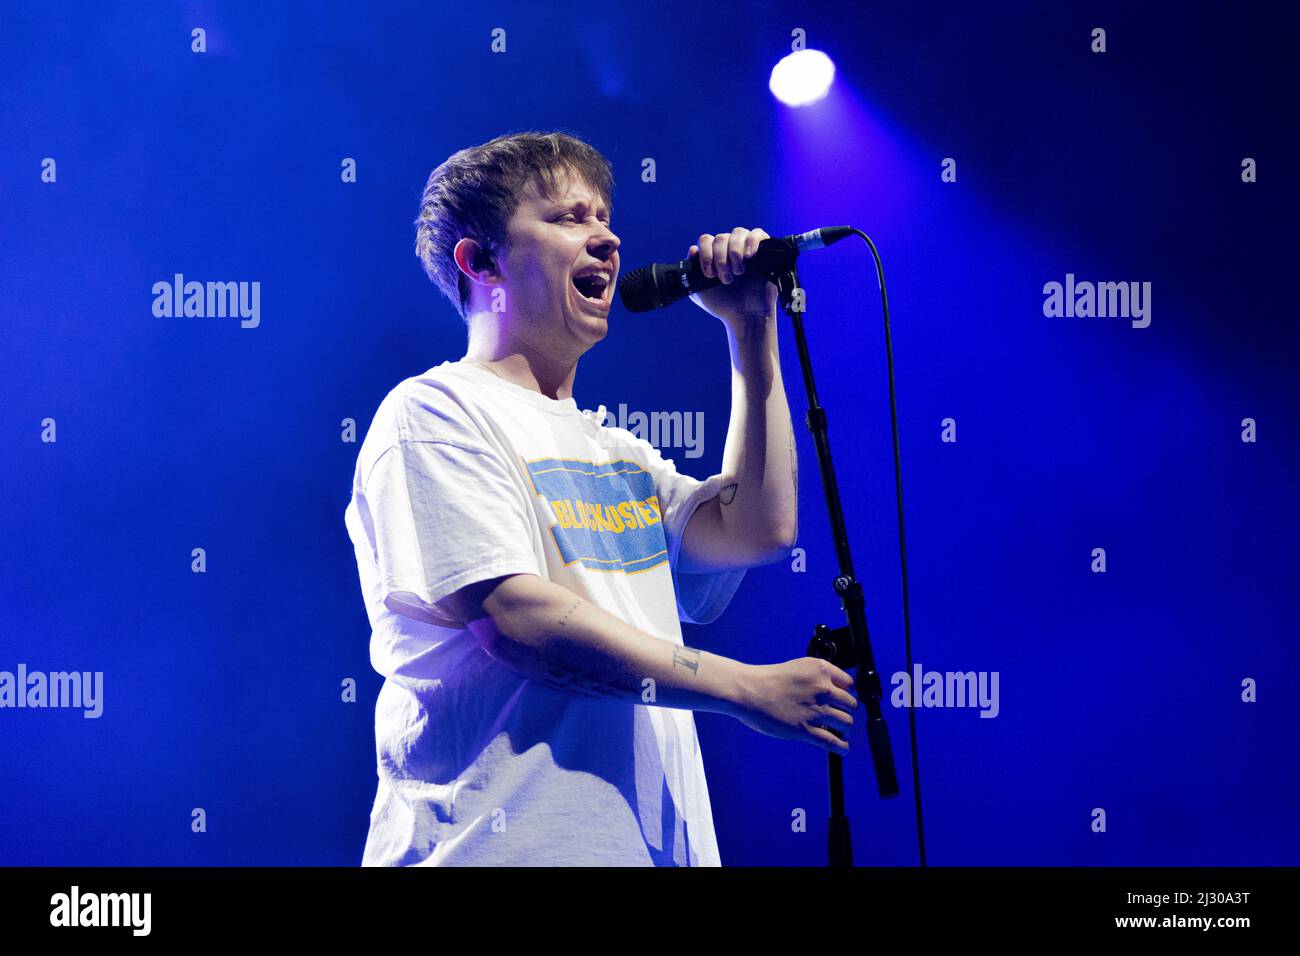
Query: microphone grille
{"x": 636, "y": 290}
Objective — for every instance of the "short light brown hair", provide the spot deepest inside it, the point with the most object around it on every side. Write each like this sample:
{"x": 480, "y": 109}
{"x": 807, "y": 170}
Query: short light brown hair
{"x": 476, "y": 191}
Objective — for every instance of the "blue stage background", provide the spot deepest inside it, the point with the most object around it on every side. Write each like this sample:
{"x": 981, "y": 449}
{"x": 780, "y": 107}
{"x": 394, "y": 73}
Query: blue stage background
{"x": 1119, "y": 690}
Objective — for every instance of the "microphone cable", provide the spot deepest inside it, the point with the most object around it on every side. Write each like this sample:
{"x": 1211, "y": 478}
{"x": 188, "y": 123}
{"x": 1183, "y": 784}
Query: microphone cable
{"x": 902, "y": 541}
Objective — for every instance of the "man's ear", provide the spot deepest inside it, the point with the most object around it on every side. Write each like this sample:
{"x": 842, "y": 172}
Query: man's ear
{"x": 471, "y": 257}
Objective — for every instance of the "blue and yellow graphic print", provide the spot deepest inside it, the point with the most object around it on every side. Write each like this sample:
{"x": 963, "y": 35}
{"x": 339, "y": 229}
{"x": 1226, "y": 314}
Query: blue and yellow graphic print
{"x": 607, "y": 515}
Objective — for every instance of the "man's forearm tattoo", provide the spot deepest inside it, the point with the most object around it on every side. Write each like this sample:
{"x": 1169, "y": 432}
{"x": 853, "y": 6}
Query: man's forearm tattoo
{"x": 687, "y": 657}
{"x": 564, "y": 677}
{"x": 564, "y": 618}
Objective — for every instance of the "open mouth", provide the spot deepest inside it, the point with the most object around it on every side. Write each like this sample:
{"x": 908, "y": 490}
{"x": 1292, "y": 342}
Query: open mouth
{"x": 592, "y": 287}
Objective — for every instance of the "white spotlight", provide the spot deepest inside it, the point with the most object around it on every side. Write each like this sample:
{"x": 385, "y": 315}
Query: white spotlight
{"x": 801, "y": 78}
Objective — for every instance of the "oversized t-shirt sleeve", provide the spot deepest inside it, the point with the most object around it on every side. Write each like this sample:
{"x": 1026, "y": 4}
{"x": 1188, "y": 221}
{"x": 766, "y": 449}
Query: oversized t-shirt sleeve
{"x": 701, "y": 598}
{"x": 446, "y": 512}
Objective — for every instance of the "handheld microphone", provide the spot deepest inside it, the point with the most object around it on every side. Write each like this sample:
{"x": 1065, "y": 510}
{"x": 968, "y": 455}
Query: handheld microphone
{"x": 663, "y": 283}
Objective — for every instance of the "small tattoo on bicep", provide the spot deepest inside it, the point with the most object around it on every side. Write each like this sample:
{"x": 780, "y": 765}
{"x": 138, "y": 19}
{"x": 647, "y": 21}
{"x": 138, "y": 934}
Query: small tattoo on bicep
{"x": 794, "y": 463}
{"x": 687, "y": 657}
{"x": 728, "y": 494}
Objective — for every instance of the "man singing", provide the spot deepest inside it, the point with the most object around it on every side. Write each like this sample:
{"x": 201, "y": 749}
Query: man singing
{"x": 525, "y": 568}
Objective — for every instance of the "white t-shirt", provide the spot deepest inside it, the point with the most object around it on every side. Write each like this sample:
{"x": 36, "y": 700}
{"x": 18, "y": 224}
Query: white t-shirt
{"x": 462, "y": 477}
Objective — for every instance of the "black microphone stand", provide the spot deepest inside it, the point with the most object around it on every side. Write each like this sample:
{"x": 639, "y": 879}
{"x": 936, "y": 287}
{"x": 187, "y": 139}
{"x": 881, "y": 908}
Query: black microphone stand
{"x": 847, "y": 647}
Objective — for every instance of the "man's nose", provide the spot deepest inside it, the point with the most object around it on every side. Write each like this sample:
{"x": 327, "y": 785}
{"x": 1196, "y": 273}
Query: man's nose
{"x": 606, "y": 242}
